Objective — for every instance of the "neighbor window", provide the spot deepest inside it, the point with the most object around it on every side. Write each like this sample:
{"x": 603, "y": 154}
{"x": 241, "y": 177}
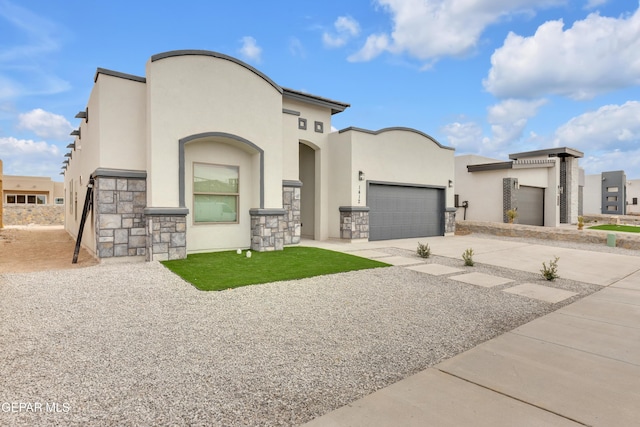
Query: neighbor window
{"x": 634, "y": 201}
{"x": 32, "y": 199}
{"x": 215, "y": 193}
{"x": 59, "y": 200}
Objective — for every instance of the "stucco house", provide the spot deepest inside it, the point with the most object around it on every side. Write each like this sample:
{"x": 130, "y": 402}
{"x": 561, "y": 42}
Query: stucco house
{"x": 31, "y": 190}
{"x": 207, "y": 153}
{"x": 543, "y": 186}
{"x": 611, "y": 193}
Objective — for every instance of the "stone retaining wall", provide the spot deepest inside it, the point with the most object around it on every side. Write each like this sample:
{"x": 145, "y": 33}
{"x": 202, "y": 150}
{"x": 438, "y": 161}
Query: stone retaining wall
{"x": 612, "y": 219}
{"x": 623, "y": 240}
{"x": 33, "y": 214}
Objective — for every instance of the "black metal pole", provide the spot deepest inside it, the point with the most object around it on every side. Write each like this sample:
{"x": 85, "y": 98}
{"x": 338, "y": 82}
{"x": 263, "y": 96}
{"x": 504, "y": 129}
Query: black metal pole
{"x": 85, "y": 211}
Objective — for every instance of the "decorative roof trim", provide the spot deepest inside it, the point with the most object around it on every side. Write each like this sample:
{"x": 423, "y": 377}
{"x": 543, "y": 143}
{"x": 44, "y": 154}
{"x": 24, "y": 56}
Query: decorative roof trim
{"x": 551, "y": 152}
{"x": 336, "y": 106}
{"x": 118, "y": 74}
{"x": 400, "y": 128}
{"x": 483, "y": 167}
{"x": 195, "y": 52}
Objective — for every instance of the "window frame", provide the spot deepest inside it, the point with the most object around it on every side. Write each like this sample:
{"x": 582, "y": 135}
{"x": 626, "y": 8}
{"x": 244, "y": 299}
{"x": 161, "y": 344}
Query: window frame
{"x": 195, "y": 193}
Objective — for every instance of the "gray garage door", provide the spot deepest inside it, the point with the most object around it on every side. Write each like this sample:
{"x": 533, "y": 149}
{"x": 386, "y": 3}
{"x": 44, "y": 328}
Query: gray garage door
{"x": 530, "y": 205}
{"x": 399, "y": 212}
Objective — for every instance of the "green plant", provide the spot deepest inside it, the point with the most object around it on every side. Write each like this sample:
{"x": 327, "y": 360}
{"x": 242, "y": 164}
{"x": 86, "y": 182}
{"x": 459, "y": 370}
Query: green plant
{"x": 550, "y": 272}
{"x": 423, "y": 251}
{"x": 512, "y": 214}
{"x": 467, "y": 256}
{"x": 580, "y": 222}
{"x": 216, "y": 271}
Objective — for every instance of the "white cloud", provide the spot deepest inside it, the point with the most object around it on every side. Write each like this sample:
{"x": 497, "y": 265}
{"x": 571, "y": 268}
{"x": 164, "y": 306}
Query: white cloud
{"x": 296, "y": 48}
{"x": 431, "y": 29}
{"x": 45, "y": 124}
{"x": 346, "y": 27}
{"x": 29, "y": 157}
{"x": 592, "y": 4}
{"x": 628, "y": 161}
{"x": 464, "y": 137}
{"x": 596, "y": 55}
{"x": 609, "y": 127}
{"x": 375, "y": 44}
{"x": 509, "y": 118}
{"x": 250, "y": 50}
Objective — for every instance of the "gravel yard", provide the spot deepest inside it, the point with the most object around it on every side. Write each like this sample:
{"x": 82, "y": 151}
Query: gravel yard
{"x": 132, "y": 344}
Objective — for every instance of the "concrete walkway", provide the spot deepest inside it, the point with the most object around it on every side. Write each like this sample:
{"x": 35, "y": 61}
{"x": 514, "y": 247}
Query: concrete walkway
{"x": 577, "y": 366}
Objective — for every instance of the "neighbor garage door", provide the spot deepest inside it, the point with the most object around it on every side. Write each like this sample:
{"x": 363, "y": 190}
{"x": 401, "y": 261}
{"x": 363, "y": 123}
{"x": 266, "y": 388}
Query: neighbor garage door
{"x": 530, "y": 205}
{"x": 398, "y": 212}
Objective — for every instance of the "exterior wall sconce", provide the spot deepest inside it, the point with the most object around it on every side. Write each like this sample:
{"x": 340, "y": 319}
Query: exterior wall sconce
{"x": 450, "y": 184}
{"x": 360, "y": 176}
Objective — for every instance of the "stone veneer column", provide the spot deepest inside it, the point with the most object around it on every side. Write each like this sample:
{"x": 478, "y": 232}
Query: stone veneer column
{"x": 120, "y": 197}
{"x": 267, "y": 229}
{"x": 509, "y": 196}
{"x": 291, "y": 205}
{"x": 166, "y": 233}
{"x": 450, "y": 220}
{"x": 354, "y": 222}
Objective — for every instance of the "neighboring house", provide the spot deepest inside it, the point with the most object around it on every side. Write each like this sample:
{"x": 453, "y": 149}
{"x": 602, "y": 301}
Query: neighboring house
{"x": 543, "y": 186}
{"x": 31, "y": 190}
{"x": 206, "y": 153}
{"x": 610, "y": 193}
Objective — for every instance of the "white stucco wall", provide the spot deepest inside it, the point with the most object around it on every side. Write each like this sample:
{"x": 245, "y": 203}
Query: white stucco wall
{"x": 484, "y": 189}
{"x": 633, "y": 190}
{"x": 592, "y": 194}
{"x": 194, "y": 94}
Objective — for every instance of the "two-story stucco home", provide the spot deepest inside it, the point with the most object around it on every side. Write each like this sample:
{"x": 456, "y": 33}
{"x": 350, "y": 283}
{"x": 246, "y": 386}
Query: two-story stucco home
{"x": 206, "y": 153}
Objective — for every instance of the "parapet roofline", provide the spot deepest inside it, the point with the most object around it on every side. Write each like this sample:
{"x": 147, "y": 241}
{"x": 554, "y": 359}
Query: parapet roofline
{"x": 118, "y": 74}
{"x": 336, "y": 106}
{"x": 400, "y": 128}
{"x": 551, "y": 152}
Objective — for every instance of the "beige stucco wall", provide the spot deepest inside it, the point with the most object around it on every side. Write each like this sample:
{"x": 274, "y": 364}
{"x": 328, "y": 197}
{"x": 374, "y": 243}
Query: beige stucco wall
{"x": 184, "y": 99}
{"x": 16, "y": 184}
{"x": 484, "y": 190}
{"x": 400, "y": 156}
{"x": 211, "y": 237}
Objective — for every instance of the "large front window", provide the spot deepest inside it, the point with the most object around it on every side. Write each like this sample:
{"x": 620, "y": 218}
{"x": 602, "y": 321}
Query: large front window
{"x": 215, "y": 193}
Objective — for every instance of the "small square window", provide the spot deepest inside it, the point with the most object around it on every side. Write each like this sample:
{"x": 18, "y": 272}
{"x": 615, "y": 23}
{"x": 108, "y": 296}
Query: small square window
{"x": 21, "y": 198}
{"x": 612, "y": 189}
{"x": 634, "y": 201}
{"x": 41, "y": 199}
{"x": 319, "y": 127}
{"x": 302, "y": 123}
{"x": 612, "y": 198}
{"x": 59, "y": 201}
{"x": 11, "y": 198}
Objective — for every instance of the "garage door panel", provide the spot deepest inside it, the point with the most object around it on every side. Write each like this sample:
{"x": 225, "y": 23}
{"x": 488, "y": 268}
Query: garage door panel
{"x": 530, "y": 205}
{"x": 398, "y": 212}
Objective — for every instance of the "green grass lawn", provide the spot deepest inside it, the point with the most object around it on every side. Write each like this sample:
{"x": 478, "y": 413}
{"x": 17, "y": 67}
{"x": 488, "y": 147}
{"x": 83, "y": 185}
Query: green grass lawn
{"x": 216, "y": 271}
{"x": 611, "y": 227}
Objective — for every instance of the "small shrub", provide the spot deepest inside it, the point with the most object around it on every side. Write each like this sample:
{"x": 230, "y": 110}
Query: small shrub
{"x": 580, "y": 223}
{"x": 467, "y": 256}
{"x": 550, "y": 272}
{"x": 423, "y": 251}
{"x": 512, "y": 214}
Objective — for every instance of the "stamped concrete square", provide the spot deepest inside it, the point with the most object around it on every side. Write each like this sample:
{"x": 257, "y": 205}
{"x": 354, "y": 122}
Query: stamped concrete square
{"x": 539, "y": 292}
{"x": 400, "y": 260}
{"x": 481, "y": 279}
{"x": 435, "y": 269}
{"x": 369, "y": 253}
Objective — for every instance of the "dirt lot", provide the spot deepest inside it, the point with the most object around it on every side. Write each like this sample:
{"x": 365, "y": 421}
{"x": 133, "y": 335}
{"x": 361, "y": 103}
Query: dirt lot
{"x": 39, "y": 248}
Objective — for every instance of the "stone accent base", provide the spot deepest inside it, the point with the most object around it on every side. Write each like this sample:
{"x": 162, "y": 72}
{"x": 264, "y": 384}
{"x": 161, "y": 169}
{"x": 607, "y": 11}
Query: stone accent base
{"x": 33, "y": 214}
{"x": 119, "y": 204}
{"x": 450, "y": 221}
{"x": 291, "y": 205}
{"x": 354, "y": 222}
{"x": 166, "y": 237}
{"x": 267, "y": 229}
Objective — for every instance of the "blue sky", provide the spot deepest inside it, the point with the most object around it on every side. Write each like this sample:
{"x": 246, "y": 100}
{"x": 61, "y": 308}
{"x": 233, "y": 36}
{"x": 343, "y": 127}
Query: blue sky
{"x": 488, "y": 77}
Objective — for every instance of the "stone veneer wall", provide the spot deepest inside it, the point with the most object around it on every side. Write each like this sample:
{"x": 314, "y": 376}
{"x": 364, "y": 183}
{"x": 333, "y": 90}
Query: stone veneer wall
{"x": 267, "y": 229}
{"x": 166, "y": 237}
{"x": 509, "y": 199}
{"x": 119, "y": 203}
{"x": 354, "y": 222}
{"x": 450, "y": 220}
{"x": 33, "y": 214}
{"x": 291, "y": 205}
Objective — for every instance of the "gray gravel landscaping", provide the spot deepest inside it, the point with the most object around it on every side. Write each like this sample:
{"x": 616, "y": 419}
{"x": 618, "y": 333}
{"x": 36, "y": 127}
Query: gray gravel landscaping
{"x": 133, "y": 344}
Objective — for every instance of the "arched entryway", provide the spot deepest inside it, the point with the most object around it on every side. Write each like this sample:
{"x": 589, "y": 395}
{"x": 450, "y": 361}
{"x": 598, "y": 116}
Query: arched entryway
{"x": 307, "y": 175}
